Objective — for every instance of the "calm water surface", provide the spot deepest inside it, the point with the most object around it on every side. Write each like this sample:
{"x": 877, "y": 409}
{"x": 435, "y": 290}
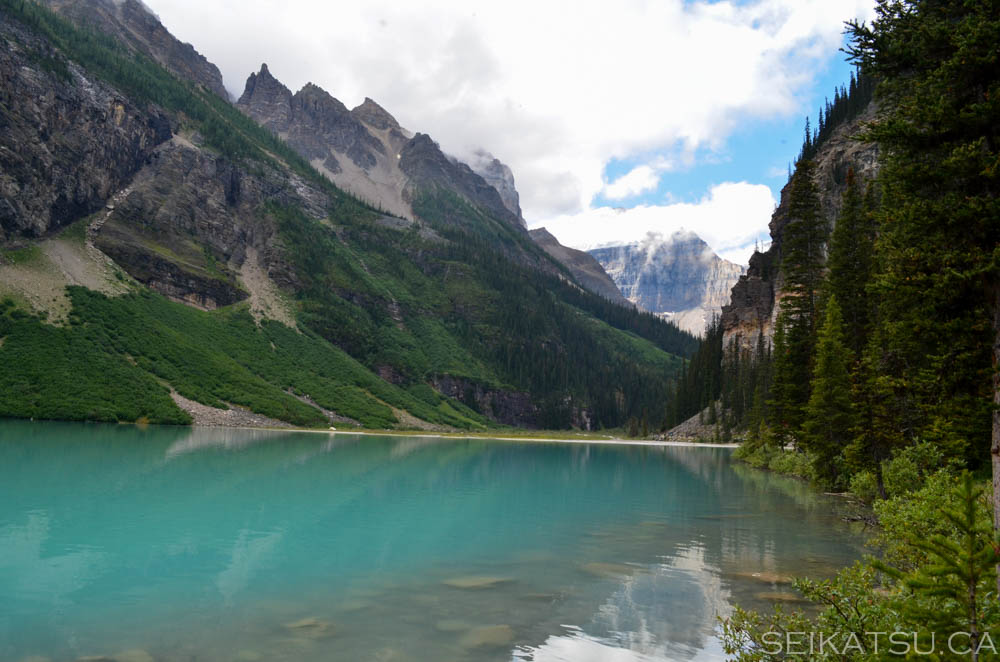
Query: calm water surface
{"x": 180, "y": 544}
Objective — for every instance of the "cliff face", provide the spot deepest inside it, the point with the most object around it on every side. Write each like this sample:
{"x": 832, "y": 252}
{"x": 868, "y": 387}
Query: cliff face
{"x": 72, "y": 142}
{"x": 585, "y": 269}
{"x": 191, "y": 226}
{"x": 135, "y": 25}
{"x": 427, "y": 167}
{"x": 752, "y": 308}
{"x": 679, "y": 278}
{"x": 498, "y": 175}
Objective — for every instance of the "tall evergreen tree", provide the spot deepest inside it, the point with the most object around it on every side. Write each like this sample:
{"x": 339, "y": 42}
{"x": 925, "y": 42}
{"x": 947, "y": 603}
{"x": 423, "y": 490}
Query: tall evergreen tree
{"x": 937, "y": 63}
{"x": 829, "y": 414}
{"x": 850, "y": 263}
{"x": 805, "y": 235}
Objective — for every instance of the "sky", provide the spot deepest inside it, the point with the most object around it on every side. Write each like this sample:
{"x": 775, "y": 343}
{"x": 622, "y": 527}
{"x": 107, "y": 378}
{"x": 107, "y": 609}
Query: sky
{"x": 618, "y": 118}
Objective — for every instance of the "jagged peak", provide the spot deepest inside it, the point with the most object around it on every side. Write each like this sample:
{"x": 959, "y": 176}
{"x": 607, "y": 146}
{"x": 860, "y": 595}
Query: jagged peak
{"x": 262, "y": 80}
{"x": 375, "y": 115}
{"x": 541, "y": 232}
{"x": 320, "y": 98}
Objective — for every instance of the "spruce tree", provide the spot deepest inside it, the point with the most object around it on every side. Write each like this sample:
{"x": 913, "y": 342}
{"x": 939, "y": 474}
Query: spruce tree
{"x": 829, "y": 414}
{"x": 852, "y": 249}
{"x": 953, "y": 591}
{"x": 805, "y": 235}
{"x": 937, "y": 64}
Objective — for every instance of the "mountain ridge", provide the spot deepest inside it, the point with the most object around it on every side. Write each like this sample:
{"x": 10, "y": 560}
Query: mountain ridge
{"x": 241, "y": 276}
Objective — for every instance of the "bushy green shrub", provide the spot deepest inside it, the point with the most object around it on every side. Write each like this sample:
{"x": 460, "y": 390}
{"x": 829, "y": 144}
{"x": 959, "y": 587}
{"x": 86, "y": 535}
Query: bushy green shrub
{"x": 937, "y": 577}
{"x": 864, "y": 485}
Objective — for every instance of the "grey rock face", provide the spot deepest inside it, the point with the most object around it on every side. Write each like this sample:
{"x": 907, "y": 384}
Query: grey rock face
{"x": 364, "y": 150}
{"x": 136, "y": 26}
{"x": 584, "y": 267}
{"x": 499, "y": 176}
{"x": 357, "y": 149}
{"x": 267, "y": 101}
{"x": 427, "y": 166}
{"x": 506, "y": 407}
{"x": 375, "y": 116}
{"x": 752, "y": 310}
{"x": 190, "y": 218}
{"x": 311, "y": 121}
{"x": 678, "y": 277}
{"x": 72, "y": 142}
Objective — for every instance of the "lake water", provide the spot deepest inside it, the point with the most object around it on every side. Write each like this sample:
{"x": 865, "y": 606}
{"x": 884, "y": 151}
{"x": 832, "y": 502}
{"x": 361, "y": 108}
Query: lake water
{"x": 207, "y": 544}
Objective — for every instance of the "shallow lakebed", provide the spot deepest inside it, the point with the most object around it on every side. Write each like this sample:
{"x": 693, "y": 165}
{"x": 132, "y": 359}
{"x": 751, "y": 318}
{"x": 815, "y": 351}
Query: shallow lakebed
{"x": 221, "y": 544}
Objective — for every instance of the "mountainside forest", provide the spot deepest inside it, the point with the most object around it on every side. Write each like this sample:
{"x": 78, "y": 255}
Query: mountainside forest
{"x": 861, "y": 351}
{"x": 884, "y": 319}
{"x": 160, "y": 248}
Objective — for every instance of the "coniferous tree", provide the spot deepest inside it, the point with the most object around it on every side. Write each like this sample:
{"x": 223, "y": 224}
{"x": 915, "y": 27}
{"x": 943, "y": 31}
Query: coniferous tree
{"x": 829, "y": 414}
{"x": 805, "y": 235}
{"x": 939, "y": 286}
{"x": 784, "y": 406}
{"x": 850, "y": 263}
{"x": 953, "y": 591}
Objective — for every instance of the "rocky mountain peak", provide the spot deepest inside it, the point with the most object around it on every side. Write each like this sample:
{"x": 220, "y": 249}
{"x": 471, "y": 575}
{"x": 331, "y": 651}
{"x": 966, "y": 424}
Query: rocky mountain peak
{"x": 270, "y": 100}
{"x": 375, "y": 116}
{"x": 677, "y": 277}
{"x": 500, "y": 177}
{"x": 324, "y": 107}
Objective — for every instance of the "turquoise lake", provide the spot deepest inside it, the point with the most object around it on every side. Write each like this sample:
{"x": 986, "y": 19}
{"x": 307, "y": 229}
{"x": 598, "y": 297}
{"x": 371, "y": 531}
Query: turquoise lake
{"x": 241, "y": 545}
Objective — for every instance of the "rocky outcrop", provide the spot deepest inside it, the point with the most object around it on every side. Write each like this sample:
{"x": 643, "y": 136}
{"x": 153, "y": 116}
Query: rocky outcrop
{"x": 498, "y": 175}
{"x": 267, "y": 100}
{"x": 587, "y": 271}
{"x": 67, "y": 140}
{"x": 191, "y": 219}
{"x": 427, "y": 167}
{"x": 364, "y": 150}
{"x": 375, "y": 116}
{"x": 506, "y": 407}
{"x": 357, "y": 149}
{"x": 752, "y": 309}
{"x": 678, "y": 277}
{"x": 135, "y": 25}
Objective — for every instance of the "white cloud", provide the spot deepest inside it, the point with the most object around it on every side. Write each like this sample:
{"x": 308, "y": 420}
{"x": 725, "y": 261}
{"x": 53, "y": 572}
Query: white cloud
{"x": 553, "y": 90}
{"x": 731, "y": 218}
{"x": 639, "y": 180}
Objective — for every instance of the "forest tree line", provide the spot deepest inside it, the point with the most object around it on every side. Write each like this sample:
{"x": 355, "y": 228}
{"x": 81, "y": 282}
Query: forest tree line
{"x": 885, "y": 329}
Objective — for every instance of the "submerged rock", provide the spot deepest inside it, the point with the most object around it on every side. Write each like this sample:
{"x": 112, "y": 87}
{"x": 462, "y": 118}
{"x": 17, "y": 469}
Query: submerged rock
{"x": 607, "y": 570}
{"x": 780, "y": 596}
{"x": 488, "y": 636}
{"x": 765, "y": 577}
{"x": 311, "y": 627}
{"x": 475, "y": 582}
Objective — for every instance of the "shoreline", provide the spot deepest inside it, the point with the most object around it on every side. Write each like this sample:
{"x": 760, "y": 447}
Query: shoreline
{"x": 417, "y": 434}
{"x": 423, "y": 434}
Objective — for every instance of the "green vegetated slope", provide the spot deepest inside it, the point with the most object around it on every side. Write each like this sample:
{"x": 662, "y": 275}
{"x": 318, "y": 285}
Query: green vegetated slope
{"x": 116, "y": 356}
{"x": 466, "y": 302}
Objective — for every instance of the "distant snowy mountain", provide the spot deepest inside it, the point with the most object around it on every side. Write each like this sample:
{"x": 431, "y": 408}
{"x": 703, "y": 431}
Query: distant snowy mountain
{"x": 678, "y": 277}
